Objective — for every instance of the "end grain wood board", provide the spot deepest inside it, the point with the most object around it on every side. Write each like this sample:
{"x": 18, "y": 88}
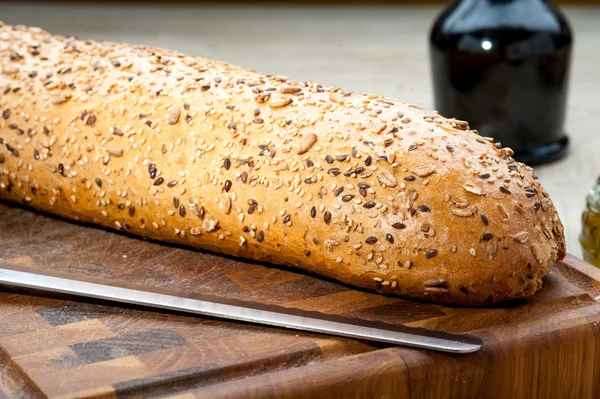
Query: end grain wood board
{"x": 56, "y": 346}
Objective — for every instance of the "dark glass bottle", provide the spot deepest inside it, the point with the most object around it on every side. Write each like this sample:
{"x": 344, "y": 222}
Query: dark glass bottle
{"x": 503, "y": 66}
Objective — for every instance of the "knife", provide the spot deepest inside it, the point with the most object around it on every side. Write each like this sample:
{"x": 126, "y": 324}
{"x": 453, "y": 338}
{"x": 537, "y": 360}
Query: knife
{"x": 234, "y": 309}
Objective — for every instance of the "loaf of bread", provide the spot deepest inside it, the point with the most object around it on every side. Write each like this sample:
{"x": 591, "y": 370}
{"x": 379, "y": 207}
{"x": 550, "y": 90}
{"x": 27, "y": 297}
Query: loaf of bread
{"x": 363, "y": 189}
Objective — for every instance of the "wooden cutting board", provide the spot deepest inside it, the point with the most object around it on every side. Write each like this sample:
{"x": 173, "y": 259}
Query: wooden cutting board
{"x": 52, "y": 346}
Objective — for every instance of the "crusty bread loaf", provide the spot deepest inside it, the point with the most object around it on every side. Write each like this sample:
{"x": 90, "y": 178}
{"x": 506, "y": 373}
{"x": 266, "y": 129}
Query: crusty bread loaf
{"x": 367, "y": 190}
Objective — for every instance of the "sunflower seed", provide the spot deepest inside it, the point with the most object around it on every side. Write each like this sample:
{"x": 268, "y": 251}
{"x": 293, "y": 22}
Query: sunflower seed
{"x": 174, "y": 116}
{"x": 280, "y": 103}
{"x": 308, "y": 141}
{"x": 424, "y": 171}
{"x": 387, "y": 179}
{"x": 522, "y": 237}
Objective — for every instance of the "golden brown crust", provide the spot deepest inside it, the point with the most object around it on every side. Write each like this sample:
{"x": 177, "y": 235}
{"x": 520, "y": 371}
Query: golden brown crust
{"x": 367, "y": 190}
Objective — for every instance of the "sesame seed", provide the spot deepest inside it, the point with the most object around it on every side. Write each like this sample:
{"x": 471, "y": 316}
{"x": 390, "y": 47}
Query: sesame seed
{"x": 159, "y": 181}
{"x": 399, "y": 225}
{"x": 327, "y": 217}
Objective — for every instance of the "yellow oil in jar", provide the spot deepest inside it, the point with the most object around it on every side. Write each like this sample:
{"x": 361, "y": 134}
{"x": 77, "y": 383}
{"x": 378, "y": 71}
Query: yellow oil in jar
{"x": 590, "y": 231}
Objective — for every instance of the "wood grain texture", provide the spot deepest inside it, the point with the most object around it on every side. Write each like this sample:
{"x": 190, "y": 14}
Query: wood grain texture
{"x": 56, "y": 346}
{"x": 379, "y": 50}
{"x": 50, "y": 346}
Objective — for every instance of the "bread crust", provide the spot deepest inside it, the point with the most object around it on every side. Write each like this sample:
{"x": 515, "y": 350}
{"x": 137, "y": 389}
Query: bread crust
{"x": 363, "y": 189}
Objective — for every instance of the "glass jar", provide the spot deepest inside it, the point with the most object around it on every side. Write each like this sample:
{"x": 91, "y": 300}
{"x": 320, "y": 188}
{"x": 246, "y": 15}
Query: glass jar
{"x": 590, "y": 231}
{"x": 503, "y": 66}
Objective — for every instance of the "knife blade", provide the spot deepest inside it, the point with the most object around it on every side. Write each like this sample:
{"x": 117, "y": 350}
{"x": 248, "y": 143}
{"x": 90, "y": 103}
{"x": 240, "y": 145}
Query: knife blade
{"x": 234, "y": 309}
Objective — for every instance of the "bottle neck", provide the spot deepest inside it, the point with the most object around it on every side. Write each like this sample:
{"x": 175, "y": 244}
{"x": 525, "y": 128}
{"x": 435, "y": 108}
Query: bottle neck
{"x": 593, "y": 198}
{"x": 468, "y": 16}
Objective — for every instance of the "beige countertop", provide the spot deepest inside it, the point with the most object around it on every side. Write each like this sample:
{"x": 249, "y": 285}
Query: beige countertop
{"x": 379, "y": 50}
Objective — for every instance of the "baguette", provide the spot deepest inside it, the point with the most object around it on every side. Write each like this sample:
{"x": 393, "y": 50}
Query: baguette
{"x": 364, "y": 189}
